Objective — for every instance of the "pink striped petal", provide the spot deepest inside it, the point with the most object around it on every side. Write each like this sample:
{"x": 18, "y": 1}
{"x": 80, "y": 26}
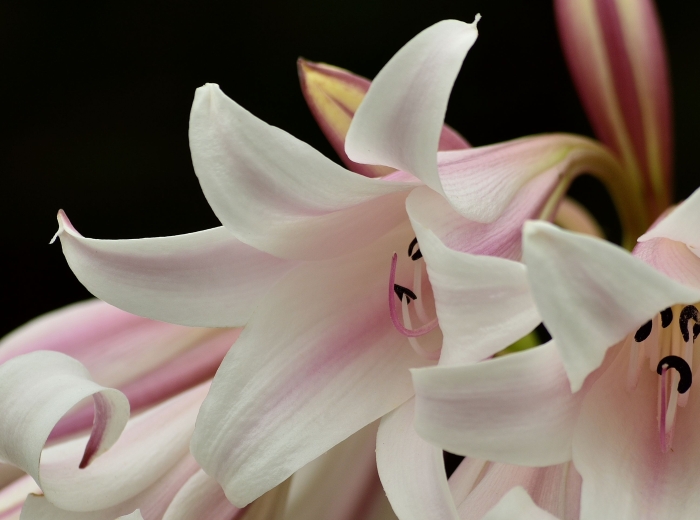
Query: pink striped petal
{"x": 207, "y": 278}
{"x": 36, "y": 390}
{"x": 412, "y": 470}
{"x": 333, "y": 95}
{"x": 516, "y": 409}
{"x": 319, "y": 360}
{"x": 674, "y": 259}
{"x": 483, "y": 303}
{"x": 278, "y": 194}
{"x": 579, "y": 282}
{"x": 517, "y": 505}
{"x": 616, "y": 55}
{"x": 400, "y": 120}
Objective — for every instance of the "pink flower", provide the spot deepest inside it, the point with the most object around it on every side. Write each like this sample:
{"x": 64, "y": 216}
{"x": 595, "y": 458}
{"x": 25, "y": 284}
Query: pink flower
{"x": 612, "y": 391}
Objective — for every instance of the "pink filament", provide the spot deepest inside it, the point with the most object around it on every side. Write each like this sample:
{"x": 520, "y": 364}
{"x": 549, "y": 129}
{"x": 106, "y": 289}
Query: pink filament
{"x": 411, "y": 333}
{"x": 664, "y": 407}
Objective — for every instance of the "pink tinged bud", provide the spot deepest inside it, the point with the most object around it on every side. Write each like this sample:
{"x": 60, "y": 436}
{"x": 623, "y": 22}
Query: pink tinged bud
{"x": 333, "y": 95}
{"x": 616, "y": 56}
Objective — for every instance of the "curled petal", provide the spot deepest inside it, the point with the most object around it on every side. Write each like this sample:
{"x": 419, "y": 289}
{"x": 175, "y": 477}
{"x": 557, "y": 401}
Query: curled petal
{"x": 207, "y": 279}
{"x": 516, "y": 409}
{"x": 412, "y": 470}
{"x": 36, "y": 390}
{"x": 592, "y": 294}
{"x": 134, "y": 464}
{"x": 400, "y": 120}
{"x": 483, "y": 303}
{"x": 517, "y": 505}
{"x": 333, "y": 95}
{"x": 276, "y": 193}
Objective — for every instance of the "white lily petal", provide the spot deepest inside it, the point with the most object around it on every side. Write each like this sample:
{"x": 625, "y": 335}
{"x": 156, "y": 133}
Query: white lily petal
{"x": 278, "y": 194}
{"x": 201, "y": 497}
{"x": 517, "y": 505}
{"x": 516, "y": 409}
{"x": 319, "y": 360}
{"x": 39, "y": 388}
{"x": 152, "y": 502}
{"x": 339, "y": 484}
{"x": 591, "y": 293}
{"x": 206, "y": 279}
{"x": 483, "y": 303}
{"x": 680, "y": 224}
{"x": 412, "y": 470}
{"x": 399, "y": 121}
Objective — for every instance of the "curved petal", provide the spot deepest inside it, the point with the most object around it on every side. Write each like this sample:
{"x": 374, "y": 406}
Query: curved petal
{"x": 341, "y": 484}
{"x": 592, "y": 294}
{"x": 319, "y": 360}
{"x": 481, "y": 182}
{"x": 483, "y": 303}
{"x": 39, "y": 388}
{"x": 680, "y": 224}
{"x": 516, "y": 409}
{"x": 279, "y": 195}
{"x": 136, "y": 462}
{"x": 206, "y": 279}
{"x": 136, "y": 515}
{"x": 412, "y": 471}
{"x": 616, "y": 450}
{"x": 152, "y": 502}
{"x": 201, "y": 497}
{"x": 517, "y": 505}
{"x": 333, "y": 95}
{"x": 672, "y": 258}
{"x": 400, "y": 119}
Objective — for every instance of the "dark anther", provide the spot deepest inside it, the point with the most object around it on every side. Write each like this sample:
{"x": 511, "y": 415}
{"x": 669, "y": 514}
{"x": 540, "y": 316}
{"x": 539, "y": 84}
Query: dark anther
{"x": 666, "y": 317}
{"x": 400, "y": 290}
{"x": 683, "y": 369}
{"x": 643, "y": 332}
{"x": 689, "y": 312}
{"x": 696, "y": 331}
{"x": 417, "y": 255}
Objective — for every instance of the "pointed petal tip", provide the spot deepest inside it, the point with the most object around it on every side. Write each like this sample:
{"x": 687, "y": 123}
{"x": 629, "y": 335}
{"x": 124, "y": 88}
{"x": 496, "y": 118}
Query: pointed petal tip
{"x": 477, "y": 17}
{"x": 63, "y": 224}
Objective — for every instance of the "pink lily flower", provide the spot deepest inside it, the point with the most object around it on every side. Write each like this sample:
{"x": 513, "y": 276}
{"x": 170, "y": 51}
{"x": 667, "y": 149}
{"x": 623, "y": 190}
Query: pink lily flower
{"x": 612, "y": 391}
{"x": 616, "y": 55}
{"x": 303, "y": 259}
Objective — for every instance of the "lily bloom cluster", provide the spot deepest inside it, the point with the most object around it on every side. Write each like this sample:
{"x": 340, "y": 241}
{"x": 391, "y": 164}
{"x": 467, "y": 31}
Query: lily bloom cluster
{"x": 338, "y": 311}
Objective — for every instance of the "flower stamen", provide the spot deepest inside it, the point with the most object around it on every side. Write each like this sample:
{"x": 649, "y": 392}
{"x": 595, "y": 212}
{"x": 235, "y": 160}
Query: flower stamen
{"x": 400, "y": 291}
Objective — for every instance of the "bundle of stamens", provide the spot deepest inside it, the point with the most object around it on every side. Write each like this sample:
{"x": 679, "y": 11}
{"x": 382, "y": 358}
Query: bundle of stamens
{"x": 668, "y": 341}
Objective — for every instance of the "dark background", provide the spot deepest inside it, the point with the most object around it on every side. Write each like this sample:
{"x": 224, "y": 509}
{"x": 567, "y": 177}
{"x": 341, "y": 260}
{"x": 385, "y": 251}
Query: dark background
{"x": 96, "y": 100}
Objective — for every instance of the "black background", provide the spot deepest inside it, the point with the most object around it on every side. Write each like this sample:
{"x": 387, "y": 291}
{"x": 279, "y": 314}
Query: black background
{"x": 96, "y": 99}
